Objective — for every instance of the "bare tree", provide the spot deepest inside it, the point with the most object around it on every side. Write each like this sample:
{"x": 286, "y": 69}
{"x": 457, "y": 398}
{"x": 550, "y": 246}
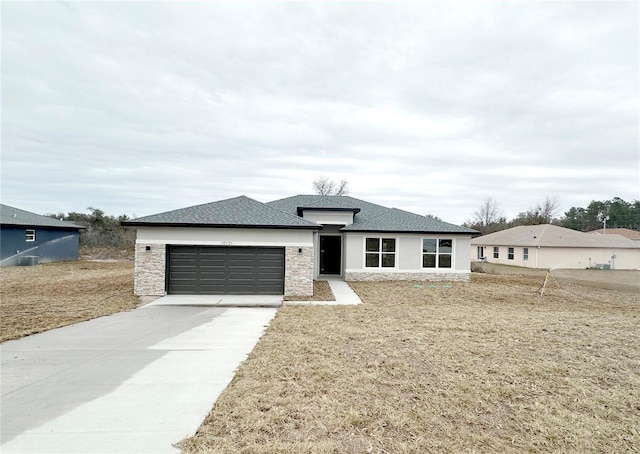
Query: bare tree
{"x": 325, "y": 186}
{"x": 489, "y": 213}
{"x": 543, "y": 213}
{"x": 549, "y": 209}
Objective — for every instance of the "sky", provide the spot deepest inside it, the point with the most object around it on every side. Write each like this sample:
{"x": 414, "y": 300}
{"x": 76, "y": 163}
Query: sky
{"x": 138, "y": 108}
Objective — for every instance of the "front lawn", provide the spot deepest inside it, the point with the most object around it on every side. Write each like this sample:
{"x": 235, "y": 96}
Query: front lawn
{"x": 42, "y": 297}
{"x": 486, "y": 366}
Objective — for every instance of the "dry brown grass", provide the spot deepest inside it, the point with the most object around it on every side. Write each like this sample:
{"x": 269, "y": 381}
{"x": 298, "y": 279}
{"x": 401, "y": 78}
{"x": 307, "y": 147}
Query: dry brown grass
{"x": 321, "y": 292}
{"x": 486, "y": 366}
{"x": 42, "y": 297}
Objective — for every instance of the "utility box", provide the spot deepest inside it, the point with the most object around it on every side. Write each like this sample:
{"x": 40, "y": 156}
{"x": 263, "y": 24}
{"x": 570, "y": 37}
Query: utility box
{"x": 28, "y": 260}
{"x": 602, "y": 266}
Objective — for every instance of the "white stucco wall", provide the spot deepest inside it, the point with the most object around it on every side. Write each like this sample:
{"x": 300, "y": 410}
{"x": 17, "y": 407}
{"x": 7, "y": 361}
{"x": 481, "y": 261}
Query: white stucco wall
{"x": 408, "y": 253}
{"x": 328, "y": 217}
{"x": 224, "y": 237}
{"x": 567, "y": 258}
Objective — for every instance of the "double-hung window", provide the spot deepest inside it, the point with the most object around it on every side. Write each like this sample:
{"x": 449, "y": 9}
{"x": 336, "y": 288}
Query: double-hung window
{"x": 436, "y": 253}
{"x": 380, "y": 252}
{"x": 511, "y": 253}
{"x": 496, "y": 252}
{"x": 30, "y": 235}
{"x": 525, "y": 254}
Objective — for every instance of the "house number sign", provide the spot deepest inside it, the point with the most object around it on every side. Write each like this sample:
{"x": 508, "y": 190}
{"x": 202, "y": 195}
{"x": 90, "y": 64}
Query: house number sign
{"x": 226, "y": 243}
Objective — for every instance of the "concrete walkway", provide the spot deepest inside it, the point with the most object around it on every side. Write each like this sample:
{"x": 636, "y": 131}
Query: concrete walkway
{"x": 341, "y": 291}
{"x": 133, "y": 382}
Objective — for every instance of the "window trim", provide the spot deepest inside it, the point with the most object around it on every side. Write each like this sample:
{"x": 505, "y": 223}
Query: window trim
{"x": 380, "y": 253}
{"x": 511, "y": 253}
{"x": 30, "y": 235}
{"x": 496, "y": 252}
{"x": 437, "y": 254}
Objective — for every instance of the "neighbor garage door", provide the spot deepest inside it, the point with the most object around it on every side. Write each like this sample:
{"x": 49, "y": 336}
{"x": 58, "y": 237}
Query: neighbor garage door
{"x": 213, "y": 270}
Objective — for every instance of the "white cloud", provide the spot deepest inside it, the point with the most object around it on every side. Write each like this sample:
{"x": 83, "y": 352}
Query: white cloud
{"x": 141, "y": 107}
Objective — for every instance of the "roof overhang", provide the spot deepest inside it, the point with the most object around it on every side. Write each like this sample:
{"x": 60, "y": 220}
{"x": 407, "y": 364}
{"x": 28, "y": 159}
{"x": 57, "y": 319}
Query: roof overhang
{"x": 219, "y": 226}
{"x": 416, "y": 232}
{"x": 36, "y": 226}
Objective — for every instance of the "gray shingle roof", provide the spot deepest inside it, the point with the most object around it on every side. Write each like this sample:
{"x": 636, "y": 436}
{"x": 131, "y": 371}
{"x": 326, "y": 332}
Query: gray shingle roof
{"x": 371, "y": 217}
{"x": 15, "y": 216}
{"x": 547, "y": 235}
{"x": 236, "y": 212}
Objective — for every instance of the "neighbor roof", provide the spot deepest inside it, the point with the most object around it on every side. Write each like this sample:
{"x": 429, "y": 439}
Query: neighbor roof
{"x": 370, "y": 217}
{"x": 17, "y": 217}
{"x": 237, "y": 212}
{"x": 547, "y": 235}
{"x": 627, "y": 233}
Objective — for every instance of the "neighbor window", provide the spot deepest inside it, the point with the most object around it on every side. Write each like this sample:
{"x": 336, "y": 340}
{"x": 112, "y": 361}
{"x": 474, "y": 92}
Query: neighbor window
{"x": 510, "y": 256}
{"x": 496, "y": 252}
{"x": 525, "y": 254}
{"x": 380, "y": 252}
{"x": 30, "y": 235}
{"x": 436, "y": 253}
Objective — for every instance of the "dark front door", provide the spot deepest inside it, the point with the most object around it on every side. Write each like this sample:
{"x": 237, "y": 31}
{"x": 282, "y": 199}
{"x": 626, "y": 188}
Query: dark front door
{"x": 214, "y": 270}
{"x": 330, "y": 254}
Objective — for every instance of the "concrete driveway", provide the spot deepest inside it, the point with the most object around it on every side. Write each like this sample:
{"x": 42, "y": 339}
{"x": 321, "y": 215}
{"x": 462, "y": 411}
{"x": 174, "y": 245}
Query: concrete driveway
{"x": 133, "y": 382}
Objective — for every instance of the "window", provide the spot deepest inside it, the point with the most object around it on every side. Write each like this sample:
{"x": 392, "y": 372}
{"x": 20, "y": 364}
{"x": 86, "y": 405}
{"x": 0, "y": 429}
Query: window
{"x": 30, "y": 235}
{"x": 510, "y": 256}
{"x": 525, "y": 254}
{"x": 436, "y": 253}
{"x": 380, "y": 252}
{"x": 496, "y": 252}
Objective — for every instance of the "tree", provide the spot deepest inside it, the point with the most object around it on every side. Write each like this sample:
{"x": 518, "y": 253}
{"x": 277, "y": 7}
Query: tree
{"x": 616, "y": 211}
{"x": 488, "y": 218}
{"x": 488, "y": 213}
{"x": 542, "y": 213}
{"x": 101, "y": 230}
{"x": 325, "y": 186}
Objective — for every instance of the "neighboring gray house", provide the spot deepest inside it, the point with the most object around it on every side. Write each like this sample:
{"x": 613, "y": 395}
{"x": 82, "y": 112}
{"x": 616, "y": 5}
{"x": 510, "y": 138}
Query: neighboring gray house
{"x": 28, "y": 238}
{"x": 242, "y": 246}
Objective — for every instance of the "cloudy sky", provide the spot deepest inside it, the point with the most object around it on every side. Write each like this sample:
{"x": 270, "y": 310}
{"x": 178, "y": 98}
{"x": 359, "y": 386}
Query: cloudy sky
{"x": 141, "y": 107}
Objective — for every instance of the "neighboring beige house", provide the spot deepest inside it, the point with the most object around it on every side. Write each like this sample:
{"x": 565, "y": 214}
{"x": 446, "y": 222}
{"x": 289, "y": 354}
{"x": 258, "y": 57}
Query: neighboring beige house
{"x": 627, "y": 233}
{"x": 550, "y": 246}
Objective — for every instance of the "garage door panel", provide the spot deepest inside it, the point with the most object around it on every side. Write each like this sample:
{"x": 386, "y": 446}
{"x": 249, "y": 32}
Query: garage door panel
{"x": 225, "y": 270}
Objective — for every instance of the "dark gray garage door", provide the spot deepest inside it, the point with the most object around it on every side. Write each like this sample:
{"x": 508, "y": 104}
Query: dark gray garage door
{"x": 214, "y": 270}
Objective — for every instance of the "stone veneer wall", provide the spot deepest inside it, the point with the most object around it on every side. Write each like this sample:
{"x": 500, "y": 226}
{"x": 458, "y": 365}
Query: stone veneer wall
{"x": 149, "y": 271}
{"x": 298, "y": 271}
{"x": 360, "y": 276}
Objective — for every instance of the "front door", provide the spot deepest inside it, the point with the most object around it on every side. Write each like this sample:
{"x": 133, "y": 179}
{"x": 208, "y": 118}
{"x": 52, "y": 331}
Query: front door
{"x": 330, "y": 254}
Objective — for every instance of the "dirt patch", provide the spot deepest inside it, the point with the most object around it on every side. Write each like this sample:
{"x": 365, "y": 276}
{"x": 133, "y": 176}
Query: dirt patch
{"x": 619, "y": 280}
{"x": 108, "y": 254}
{"x": 485, "y": 366}
{"x": 42, "y": 297}
{"x": 321, "y": 292}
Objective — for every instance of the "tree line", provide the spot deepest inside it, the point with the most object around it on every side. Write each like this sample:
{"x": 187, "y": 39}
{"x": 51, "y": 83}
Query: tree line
{"x": 617, "y": 213}
{"x": 101, "y": 230}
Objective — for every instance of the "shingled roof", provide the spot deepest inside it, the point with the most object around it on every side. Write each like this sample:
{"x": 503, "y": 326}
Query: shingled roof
{"x": 237, "y": 212}
{"x": 370, "y": 217}
{"x": 17, "y": 217}
{"x": 243, "y": 212}
{"x": 547, "y": 235}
